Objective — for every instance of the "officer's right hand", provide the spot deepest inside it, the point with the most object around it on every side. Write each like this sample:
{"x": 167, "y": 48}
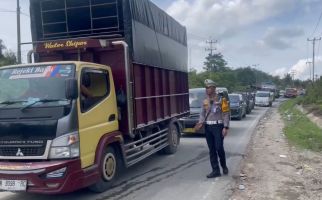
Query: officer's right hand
{"x": 198, "y": 126}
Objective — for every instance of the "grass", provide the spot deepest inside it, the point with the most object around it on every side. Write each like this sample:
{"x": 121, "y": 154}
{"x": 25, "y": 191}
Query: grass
{"x": 299, "y": 130}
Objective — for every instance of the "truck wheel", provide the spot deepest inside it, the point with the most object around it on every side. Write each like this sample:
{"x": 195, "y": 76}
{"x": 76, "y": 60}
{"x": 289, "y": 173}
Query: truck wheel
{"x": 173, "y": 139}
{"x": 108, "y": 168}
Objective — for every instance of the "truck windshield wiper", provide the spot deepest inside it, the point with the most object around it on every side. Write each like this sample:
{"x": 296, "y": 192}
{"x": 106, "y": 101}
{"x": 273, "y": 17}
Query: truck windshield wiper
{"x": 42, "y": 101}
{"x": 7, "y": 103}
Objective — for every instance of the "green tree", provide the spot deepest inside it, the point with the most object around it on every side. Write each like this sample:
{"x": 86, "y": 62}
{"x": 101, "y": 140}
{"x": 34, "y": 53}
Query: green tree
{"x": 7, "y": 57}
{"x": 287, "y": 80}
{"x": 2, "y": 48}
{"x": 246, "y": 76}
{"x": 215, "y": 63}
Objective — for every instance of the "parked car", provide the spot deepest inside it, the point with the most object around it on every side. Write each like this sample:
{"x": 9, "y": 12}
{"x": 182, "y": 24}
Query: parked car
{"x": 196, "y": 96}
{"x": 290, "y": 93}
{"x": 272, "y": 95}
{"x": 247, "y": 100}
{"x": 221, "y": 90}
{"x": 263, "y": 98}
{"x": 251, "y": 99}
{"x": 282, "y": 92}
{"x": 237, "y": 106}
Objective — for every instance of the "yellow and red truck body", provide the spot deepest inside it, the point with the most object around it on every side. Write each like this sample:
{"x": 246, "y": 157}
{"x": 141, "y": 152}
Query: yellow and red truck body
{"x": 143, "y": 53}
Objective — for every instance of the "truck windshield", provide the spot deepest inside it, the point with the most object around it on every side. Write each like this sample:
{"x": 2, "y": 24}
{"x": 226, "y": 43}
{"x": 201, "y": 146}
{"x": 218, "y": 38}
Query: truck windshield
{"x": 22, "y": 86}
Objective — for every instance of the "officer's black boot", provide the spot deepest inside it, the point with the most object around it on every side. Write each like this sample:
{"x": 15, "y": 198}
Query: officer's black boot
{"x": 214, "y": 174}
{"x": 224, "y": 166}
{"x": 225, "y": 170}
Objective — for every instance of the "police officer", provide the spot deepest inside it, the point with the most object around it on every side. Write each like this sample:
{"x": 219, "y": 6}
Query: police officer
{"x": 216, "y": 124}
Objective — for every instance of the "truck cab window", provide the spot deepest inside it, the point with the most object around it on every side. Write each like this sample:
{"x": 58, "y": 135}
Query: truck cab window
{"x": 95, "y": 87}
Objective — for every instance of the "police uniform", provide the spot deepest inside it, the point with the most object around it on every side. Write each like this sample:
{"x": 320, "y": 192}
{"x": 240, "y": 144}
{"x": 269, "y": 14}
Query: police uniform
{"x": 215, "y": 120}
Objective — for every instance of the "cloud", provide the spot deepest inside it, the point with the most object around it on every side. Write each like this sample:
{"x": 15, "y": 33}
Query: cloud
{"x": 234, "y": 23}
{"x": 280, "y": 38}
{"x": 224, "y": 18}
{"x": 280, "y": 72}
{"x": 302, "y": 70}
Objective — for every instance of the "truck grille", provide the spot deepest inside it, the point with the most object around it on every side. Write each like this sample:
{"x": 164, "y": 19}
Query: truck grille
{"x": 26, "y": 151}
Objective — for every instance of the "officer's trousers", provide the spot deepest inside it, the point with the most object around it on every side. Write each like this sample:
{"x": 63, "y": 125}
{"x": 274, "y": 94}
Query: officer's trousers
{"x": 215, "y": 141}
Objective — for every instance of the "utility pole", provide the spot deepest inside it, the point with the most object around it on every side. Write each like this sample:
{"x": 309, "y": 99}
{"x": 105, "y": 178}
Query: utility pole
{"x": 211, "y": 46}
{"x": 309, "y": 64}
{"x": 18, "y": 33}
{"x": 313, "y": 59}
{"x": 293, "y": 73}
{"x": 255, "y": 66}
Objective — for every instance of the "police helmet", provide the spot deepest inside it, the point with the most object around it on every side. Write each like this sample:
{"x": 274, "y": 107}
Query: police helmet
{"x": 210, "y": 83}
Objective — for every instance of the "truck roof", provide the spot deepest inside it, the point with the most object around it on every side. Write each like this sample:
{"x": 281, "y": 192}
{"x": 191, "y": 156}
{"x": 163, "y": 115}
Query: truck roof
{"x": 154, "y": 37}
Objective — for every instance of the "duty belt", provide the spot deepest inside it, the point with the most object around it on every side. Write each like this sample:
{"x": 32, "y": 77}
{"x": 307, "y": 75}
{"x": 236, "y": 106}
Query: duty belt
{"x": 214, "y": 122}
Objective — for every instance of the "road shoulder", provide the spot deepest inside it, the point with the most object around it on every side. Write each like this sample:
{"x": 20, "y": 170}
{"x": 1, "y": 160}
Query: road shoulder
{"x": 274, "y": 169}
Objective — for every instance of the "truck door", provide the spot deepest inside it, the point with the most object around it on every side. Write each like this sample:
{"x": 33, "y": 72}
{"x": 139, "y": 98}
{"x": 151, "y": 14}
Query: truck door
{"x": 97, "y": 110}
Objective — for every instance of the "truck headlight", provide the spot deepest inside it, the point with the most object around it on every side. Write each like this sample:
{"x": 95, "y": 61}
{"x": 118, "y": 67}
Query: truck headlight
{"x": 66, "y": 146}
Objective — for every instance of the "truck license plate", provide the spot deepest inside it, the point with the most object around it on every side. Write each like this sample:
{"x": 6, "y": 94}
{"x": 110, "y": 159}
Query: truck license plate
{"x": 13, "y": 185}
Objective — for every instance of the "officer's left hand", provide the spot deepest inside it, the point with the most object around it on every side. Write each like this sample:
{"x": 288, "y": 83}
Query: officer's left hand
{"x": 224, "y": 132}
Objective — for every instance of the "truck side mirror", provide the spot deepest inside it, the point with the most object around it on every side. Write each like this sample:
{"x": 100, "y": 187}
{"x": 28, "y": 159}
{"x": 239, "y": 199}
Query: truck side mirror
{"x": 71, "y": 89}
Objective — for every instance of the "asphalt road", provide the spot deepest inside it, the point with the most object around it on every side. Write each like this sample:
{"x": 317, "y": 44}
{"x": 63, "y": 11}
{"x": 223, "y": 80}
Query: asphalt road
{"x": 177, "y": 177}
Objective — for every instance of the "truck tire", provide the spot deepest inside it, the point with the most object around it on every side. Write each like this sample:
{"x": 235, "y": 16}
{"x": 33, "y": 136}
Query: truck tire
{"x": 173, "y": 139}
{"x": 109, "y": 168}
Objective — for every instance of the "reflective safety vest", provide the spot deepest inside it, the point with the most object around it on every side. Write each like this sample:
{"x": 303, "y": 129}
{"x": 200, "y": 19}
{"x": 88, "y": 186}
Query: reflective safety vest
{"x": 225, "y": 105}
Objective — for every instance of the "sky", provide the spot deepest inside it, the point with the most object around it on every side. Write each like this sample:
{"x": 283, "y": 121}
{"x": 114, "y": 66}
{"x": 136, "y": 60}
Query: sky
{"x": 270, "y": 35}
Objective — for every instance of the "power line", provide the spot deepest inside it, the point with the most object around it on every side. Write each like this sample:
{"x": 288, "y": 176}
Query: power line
{"x": 317, "y": 25}
{"x": 197, "y": 36}
{"x": 318, "y": 51}
{"x": 3, "y": 10}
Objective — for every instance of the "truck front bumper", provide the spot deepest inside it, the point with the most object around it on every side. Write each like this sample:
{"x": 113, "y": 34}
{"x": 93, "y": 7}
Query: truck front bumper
{"x": 36, "y": 174}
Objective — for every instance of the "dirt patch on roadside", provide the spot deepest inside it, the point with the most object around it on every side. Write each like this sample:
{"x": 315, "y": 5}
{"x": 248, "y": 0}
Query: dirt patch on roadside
{"x": 273, "y": 169}
{"x": 315, "y": 115}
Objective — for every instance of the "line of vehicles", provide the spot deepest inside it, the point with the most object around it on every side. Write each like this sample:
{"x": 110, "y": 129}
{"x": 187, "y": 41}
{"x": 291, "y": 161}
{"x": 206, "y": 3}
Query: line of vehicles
{"x": 241, "y": 104}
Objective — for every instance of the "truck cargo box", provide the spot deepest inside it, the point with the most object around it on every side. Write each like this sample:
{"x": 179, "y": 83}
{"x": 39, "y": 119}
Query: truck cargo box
{"x": 85, "y": 29}
{"x": 155, "y": 38}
